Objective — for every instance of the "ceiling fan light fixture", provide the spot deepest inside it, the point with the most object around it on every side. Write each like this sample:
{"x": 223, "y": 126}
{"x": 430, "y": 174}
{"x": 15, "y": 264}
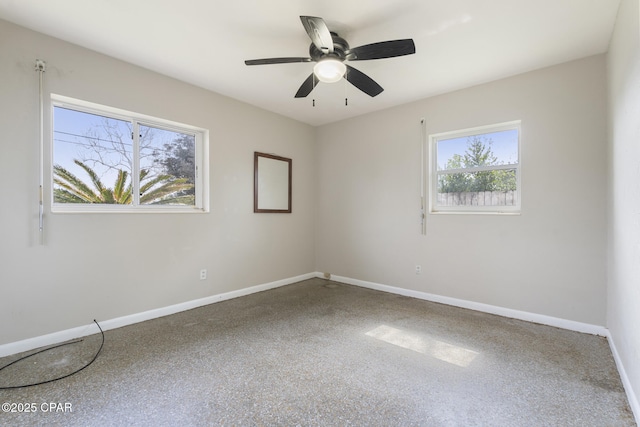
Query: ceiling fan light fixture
{"x": 329, "y": 70}
{"x": 330, "y": 51}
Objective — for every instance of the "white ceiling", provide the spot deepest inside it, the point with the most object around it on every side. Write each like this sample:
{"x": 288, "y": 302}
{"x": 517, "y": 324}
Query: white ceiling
{"x": 459, "y": 43}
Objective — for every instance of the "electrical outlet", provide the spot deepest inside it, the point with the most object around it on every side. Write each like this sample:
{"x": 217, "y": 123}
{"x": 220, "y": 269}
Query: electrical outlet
{"x": 203, "y": 274}
{"x": 418, "y": 269}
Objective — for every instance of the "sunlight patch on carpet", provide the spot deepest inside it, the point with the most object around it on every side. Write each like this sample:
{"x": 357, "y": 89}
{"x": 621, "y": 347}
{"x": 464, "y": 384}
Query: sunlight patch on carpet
{"x": 446, "y": 352}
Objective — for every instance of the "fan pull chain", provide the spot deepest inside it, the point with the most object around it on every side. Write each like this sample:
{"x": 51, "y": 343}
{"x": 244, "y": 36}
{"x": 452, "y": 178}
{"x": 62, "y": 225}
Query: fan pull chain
{"x": 345, "y": 85}
{"x": 314, "y": 102}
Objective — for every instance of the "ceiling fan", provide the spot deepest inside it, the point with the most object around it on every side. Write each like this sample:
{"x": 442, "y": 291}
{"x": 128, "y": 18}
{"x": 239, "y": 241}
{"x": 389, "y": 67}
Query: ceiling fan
{"x": 330, "y": 52}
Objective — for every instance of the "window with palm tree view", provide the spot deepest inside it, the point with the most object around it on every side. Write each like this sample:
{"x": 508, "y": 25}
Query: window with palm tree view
{"x": 111, "y": 159}
{"x": 476, "y": 170}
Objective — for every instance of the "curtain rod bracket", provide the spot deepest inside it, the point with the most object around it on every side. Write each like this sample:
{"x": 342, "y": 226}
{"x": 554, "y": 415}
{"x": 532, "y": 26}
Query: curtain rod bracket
{"x": 41, "y": 65}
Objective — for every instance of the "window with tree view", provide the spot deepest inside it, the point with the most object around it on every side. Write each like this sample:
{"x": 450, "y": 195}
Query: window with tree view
{"x": 476, "y": 170}
{"x": 107, "y": 159}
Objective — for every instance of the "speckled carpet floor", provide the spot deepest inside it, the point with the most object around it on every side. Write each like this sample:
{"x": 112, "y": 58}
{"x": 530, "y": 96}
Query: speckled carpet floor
{"x": 320, "y": 353}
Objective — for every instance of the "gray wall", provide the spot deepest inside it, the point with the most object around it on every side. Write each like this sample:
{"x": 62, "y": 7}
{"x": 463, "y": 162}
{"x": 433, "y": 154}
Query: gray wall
{"x": 356, "y": 199}
{"x": 623, "y": 297}
{"x": 549, "y": 260}
{"x": 104, "y": 266}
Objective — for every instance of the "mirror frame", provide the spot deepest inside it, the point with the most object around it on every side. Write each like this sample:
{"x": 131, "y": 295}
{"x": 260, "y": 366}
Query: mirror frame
{"x": 256, "y": 178}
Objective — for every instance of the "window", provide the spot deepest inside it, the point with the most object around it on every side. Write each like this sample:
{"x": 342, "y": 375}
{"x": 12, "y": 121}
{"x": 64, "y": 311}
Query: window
{"x": 105, "y": 159}
{"x": 476, "y": 170}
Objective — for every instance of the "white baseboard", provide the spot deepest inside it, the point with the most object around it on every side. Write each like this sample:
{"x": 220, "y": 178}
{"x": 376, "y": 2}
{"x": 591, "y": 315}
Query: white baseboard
{"x": 89, "y": 329}
{"x": 485, "y": 308}
{"x": 631, "y": 395}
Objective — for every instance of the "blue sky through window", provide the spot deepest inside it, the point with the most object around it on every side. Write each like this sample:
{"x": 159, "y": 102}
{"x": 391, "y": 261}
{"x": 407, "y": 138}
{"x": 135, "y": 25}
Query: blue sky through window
{"x": 102, "y": 143}
{"x": 105, "y": 144}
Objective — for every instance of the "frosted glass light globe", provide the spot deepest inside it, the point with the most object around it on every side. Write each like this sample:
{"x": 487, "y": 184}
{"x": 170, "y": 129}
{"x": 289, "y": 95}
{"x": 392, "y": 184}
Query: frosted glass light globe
{"x": 329, "y": 70}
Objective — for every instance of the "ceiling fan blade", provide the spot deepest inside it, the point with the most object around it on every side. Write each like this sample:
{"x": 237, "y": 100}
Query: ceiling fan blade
{"x": 307, "y": 86}
{"x": 268, "y": 61}
{"x": 380, "y": 50}
{"x": 362, "y": 82}
{"x": 318, "y": 32}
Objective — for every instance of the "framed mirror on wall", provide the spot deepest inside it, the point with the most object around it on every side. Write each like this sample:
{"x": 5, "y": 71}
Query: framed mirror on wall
{"x": 272, "y": 183}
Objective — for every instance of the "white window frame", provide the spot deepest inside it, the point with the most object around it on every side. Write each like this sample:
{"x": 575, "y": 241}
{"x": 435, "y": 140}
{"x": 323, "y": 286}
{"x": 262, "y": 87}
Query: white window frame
{"x": 433, "y": 170}
{"x": 201, "y": 160}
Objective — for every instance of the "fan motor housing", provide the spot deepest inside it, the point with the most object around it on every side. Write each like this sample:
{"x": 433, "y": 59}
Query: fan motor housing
{"x": 340, "y": 49}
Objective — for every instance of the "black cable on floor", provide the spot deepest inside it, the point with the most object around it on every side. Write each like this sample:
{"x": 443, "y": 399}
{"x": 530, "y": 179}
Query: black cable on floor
{"x": 51, "y": 348}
